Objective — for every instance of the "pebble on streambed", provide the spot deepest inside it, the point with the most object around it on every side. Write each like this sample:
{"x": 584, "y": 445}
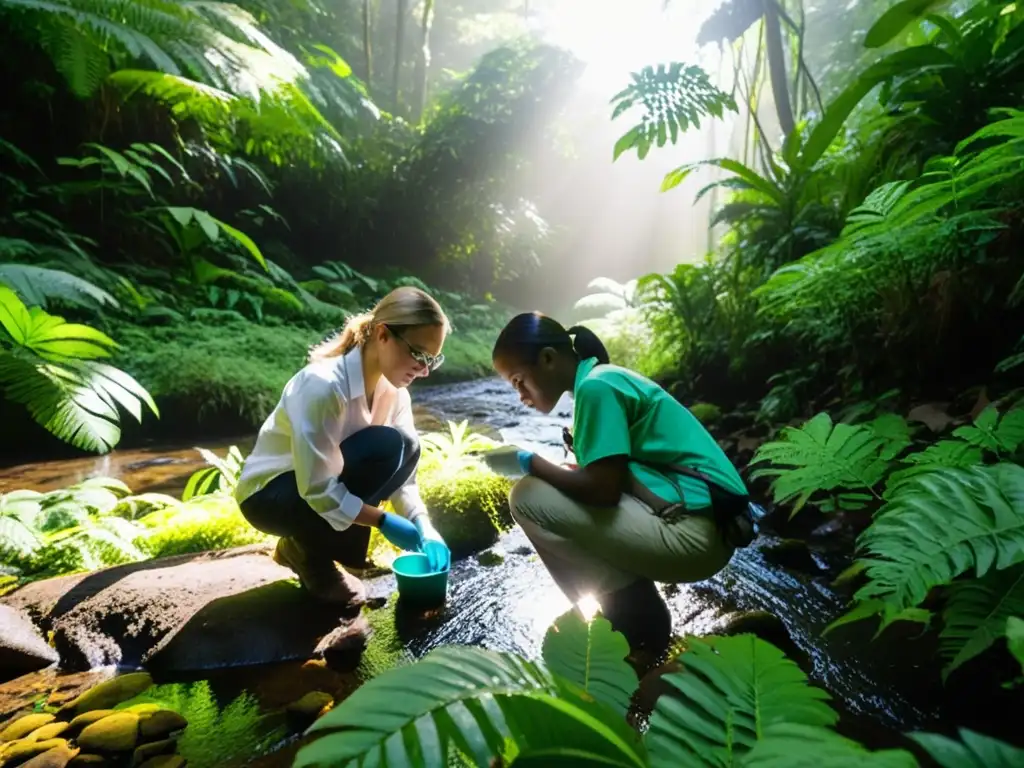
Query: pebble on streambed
{"x": 89, "y": 731}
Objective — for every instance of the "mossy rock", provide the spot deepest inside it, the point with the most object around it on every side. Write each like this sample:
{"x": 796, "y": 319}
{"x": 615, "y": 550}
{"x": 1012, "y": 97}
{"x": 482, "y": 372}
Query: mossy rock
{"x": 49, "y": 731}
{"x": 311, "y": 704}
{"x": 58, "y": 757}
{"x": 110, "y": 693}
{"x": 468, "y": 504}
{"x": 156, "y": 725}
{"x": 25, "y": 725}
{"x": 88, "y": 761}
{"x": 88, "y": 718}
{"x": 164, "y": 761}
{"x": 118, "y": 732}
{"x": 17, "y": 752}
{"x": 706, "y": 413}
{"x": 153, "y": 749}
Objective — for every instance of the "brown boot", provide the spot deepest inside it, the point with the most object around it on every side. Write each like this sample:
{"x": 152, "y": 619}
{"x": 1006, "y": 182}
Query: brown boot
{"x": 323, "y": 580}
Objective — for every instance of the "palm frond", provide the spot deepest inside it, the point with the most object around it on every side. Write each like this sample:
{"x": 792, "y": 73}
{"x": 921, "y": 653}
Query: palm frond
{"x": 37, "y": 285}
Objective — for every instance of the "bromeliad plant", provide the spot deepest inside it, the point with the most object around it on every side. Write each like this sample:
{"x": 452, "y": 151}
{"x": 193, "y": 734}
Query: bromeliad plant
{"x": 738, "y": 702}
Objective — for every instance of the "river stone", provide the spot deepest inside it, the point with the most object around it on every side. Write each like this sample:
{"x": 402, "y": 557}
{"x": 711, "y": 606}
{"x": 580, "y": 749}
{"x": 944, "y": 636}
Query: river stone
{"x": 311, "y": 704}
{"x": 24, "y": 725}
{"x": 49, "y": 731}
{"x": 88, "y": 761}
{"x": 59, "y": 757}
{"x": 118, "y": 732}
{"x": 145, "y": 751}
{"x": 184, "y": 613}
{"x": 110, "y": 693}
{"x": 160, "y": 724}
{"x": 19, "y": 751}
{"x": 22, "y": 648}
{"x": 164, "y": 761}
{"x": 88, "y": 718}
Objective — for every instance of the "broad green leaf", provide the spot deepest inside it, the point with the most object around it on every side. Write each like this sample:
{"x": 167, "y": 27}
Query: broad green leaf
{"x": 974, "y": 750}
{"x": 246, "y": 242}
{"x": 732, "y": 690}
{"x": 788, "y": 745}
{"x": 1015, "y": 638}
{"x": 895, "y": 20}
{"x": 37, "y": 285}
{"x": 592, "y": 656}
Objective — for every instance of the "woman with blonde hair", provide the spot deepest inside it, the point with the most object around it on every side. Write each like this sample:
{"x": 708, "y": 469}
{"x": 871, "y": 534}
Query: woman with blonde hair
{"x": 340, "y": 441}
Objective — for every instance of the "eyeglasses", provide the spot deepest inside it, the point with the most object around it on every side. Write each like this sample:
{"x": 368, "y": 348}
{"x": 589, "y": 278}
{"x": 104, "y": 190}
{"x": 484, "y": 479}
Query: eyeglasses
{"x": 432, "y": 362}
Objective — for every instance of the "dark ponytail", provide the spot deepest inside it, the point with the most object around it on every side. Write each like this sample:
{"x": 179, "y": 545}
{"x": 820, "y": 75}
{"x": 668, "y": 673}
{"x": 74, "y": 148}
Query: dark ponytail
{"x": 586, "y": 344}
{"x": 527, "y": 334}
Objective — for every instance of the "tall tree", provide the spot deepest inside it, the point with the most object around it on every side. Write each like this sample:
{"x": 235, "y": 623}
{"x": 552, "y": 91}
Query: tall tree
{"x": 367, "y": 44}
{"x": 423, "y": 61}
{"x": 403, "y": 9}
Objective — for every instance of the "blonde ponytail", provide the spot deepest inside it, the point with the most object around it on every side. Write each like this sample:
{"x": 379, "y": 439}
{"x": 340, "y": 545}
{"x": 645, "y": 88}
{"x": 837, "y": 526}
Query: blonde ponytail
{"x": 404, "y": 307}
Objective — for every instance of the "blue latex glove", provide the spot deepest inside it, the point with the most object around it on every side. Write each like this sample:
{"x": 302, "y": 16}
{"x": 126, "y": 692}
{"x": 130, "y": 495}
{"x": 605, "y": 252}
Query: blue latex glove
{"x": 433, "y": 545}
{"x": 525, "y": 457}
{"x": 401, "y": 532}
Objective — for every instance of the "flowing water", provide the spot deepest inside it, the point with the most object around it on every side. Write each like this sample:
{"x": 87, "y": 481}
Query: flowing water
{"x": 508, "y": 607}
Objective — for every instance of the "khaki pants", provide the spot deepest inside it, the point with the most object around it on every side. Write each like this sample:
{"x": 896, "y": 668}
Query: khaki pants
{"x": 598, "y": 550}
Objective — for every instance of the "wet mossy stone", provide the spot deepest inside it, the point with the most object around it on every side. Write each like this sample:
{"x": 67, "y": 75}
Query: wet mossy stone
{"x": 17, "y": 752}
{"x": 110, "y": 693}
{"x": 88, "y": 718}
{"x": 49, "y": 731}
{"x": 706, "y": 413}
{"x": 118, "y": 732}
{"x": 311, "y": 704}
{"x": 24, "y": 725}
{"x": 164, "y": 761}
{"x": 157, "y": 725}
{"x": 88, "y": 761}
{"x": 153, "y": 749}
{"x": 58, "y": 757}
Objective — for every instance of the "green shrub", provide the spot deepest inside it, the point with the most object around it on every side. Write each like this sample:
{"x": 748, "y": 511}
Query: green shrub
{"x": 468, "y": 504}
{"x": 207, "y": 523}
{"x": 706, "y": 413}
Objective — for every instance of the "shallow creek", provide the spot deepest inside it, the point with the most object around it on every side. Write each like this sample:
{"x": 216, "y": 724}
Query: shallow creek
{"x": 506, "y": 607}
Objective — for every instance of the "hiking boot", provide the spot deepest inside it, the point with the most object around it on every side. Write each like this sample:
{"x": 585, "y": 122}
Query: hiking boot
{"x": 323, "y": 580}
{"x": 639, "y": 612}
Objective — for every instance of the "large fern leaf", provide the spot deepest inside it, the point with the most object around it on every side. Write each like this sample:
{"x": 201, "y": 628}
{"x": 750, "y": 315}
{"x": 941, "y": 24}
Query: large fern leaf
{"x": 51, "y": 369}
{"x": 591, "y": 656}
{"x": 820, "y": 456}
{"x": 976, "y": 613}
{"x": 37, "y": 285}
{"x": 788, "y": 745}
{"x": 412, "y": 714}
{"x": 732, "y": 690}
{"x": 974, "y": 750}
{"x": 1000, "y": 435}
{"x": 942, "y": 524}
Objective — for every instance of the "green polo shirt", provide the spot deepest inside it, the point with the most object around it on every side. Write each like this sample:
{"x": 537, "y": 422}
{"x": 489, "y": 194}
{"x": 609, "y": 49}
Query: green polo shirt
{"x": 619, "y": 412}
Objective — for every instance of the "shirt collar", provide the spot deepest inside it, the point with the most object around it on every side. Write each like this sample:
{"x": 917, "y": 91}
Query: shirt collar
{"x": 353, "y": 362}
{"x": 582, "y": 371}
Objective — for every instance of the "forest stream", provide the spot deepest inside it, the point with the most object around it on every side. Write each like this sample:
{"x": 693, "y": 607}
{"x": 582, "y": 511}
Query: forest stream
{"x": 879, "y": 685}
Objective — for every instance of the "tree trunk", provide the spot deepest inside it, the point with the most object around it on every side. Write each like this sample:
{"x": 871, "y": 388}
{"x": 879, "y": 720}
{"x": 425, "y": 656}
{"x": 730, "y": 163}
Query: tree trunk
{"x": 367, "y": 47}
{"x": 403, "y": 8}
{"x": 777, "y": 67}
{"x": 423, "y": 62}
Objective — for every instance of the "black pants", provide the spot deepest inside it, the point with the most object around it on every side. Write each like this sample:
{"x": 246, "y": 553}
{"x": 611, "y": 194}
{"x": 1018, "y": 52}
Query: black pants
{"x": 378, "y": 460}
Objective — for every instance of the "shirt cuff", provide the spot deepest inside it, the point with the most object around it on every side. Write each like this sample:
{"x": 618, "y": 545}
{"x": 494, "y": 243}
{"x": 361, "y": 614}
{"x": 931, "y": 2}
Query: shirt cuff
{"x": 342, "y": 517}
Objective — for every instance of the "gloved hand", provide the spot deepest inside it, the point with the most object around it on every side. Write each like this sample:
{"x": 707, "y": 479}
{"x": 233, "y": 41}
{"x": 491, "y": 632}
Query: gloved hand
{"x": 509, "y": 460}
{"x": 433, "y": 545}
{"x": 401, "y": 532}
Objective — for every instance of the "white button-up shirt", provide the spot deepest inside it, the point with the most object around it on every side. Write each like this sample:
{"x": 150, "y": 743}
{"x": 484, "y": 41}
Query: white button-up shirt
{"x": 321, "y": 405}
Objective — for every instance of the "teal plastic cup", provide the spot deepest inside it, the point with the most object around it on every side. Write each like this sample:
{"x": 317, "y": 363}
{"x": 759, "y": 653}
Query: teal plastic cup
{"x": 417, "y": 583}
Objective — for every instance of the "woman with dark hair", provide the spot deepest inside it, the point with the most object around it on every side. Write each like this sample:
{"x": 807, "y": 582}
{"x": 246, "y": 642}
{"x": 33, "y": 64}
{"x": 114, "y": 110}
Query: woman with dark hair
{"x": 652, "y": 496}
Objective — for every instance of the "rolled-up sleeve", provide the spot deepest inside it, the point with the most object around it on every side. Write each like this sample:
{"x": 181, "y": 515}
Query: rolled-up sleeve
{"x": 406, "y": 500}
{"x": 316, "y": 414}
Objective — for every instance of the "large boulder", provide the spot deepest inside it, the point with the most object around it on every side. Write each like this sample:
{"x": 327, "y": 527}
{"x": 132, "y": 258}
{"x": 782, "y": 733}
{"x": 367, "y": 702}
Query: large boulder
{"x": 184, "y": 613}
{"x": 22, "y": 647}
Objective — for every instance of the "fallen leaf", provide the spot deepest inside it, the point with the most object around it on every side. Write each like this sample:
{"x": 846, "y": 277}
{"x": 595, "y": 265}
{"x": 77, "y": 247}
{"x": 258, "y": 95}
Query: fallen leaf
{"x": 932, "y": 415}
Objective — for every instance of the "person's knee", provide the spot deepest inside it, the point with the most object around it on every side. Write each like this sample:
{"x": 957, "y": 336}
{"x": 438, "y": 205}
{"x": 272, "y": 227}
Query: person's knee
{"x": 527, "y": 497}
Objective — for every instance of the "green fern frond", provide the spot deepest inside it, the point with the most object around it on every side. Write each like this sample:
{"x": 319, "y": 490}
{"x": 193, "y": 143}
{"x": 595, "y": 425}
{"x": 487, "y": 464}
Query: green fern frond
{"x": 939, "y": 525}
{"x": 77, "y": 55}
{"x": 976, "y": 613}
{"x": 1000, "y": 435}
{"x": 38, "y": 285}
{"x": 790, "y": 745}
{"x": 820, "y": 456}
{"x": 974, "y": 750}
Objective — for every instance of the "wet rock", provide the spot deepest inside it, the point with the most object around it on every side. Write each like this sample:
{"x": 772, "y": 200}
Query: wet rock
{"x": 492, "y": 556}
{"x": 159, "y": 724}
{"x": 311, "y": 704}
{"x": 343, "y": 646}
{"x": 87, "y": 718}
{"x": 184, "y": 613}
{"x": 17, "y": 752}
{"x": 791, "y": 553}
{"x": 22, "y": 648}
{"x": 118, "y": 732}
{"x": 164, "y": 761}
{"x": 88, "y": 761}
{"x": 59, "y": 757}
{"x": 762, "y": 624}
{"x": 110, "y": 693}
{"x": 25, "y": 725}
{"x": 153, "y": 749}
{"x": 49, "y": 731}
